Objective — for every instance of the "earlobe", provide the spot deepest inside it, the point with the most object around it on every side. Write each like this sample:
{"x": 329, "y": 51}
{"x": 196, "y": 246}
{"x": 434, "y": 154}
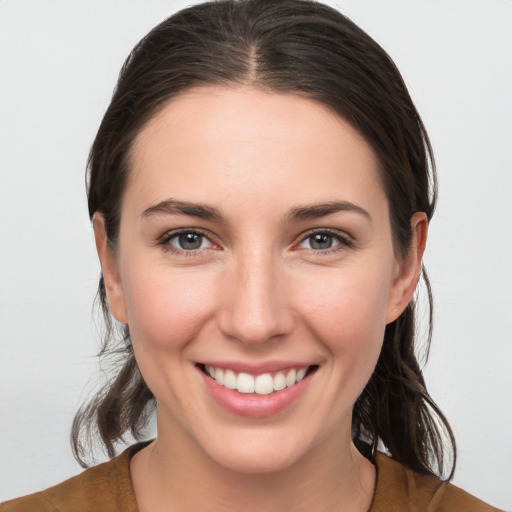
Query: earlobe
{"x": 110, "y": 270}
{"x": 408, "y": 269}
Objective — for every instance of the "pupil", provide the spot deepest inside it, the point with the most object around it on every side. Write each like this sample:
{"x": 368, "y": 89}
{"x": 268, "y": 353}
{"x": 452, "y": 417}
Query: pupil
{"x": 190, "y": 241}
{"x": 321, "y": 241}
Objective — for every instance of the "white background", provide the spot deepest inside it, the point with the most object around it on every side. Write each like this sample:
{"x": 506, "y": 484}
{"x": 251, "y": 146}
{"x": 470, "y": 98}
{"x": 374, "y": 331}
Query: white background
{"x": 58, "y": 63}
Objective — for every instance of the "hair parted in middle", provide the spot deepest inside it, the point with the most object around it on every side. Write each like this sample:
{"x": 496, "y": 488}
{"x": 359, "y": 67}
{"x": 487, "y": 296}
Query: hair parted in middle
{"x": 304, "y": 48}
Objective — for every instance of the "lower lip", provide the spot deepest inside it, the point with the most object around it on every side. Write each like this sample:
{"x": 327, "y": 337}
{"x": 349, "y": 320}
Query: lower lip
{"x": 253, "y": 405}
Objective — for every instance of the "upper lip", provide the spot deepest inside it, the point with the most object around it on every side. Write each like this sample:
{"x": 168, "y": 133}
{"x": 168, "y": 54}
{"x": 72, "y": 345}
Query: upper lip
{"x": 256, "y": 368}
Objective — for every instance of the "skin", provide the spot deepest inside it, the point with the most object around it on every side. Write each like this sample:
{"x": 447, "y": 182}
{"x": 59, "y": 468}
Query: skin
{"x": 256, "y": 290}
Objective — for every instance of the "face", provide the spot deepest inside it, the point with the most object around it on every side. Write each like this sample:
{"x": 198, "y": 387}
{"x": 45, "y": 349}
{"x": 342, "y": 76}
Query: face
{"x": 255, "y": 268}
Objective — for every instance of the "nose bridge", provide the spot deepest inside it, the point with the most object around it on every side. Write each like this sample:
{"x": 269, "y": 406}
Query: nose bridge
{"x": 255, "y": 309}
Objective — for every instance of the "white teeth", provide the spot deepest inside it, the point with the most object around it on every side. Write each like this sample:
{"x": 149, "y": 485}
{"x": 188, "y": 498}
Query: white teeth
{"x": 291, "y": 378}
{"x": 301, "y": 374}
{"x": 230, "y": 379}
{"x": 219, "y": 376}
{"x": 279, "y": 381}
{"x": 263, "y": 384}
{"x": 245, "y": 383}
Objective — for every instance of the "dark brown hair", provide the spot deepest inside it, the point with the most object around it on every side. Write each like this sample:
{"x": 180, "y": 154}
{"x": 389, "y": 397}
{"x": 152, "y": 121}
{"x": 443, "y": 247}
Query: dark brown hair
{"x": 305, "y": 48}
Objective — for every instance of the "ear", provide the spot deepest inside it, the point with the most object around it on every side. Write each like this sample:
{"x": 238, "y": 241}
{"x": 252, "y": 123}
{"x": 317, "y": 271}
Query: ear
{"x": 110, "y": 270}
{"x": 408, "y": 269}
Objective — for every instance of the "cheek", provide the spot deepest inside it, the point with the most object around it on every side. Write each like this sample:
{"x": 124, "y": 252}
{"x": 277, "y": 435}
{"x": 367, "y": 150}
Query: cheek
{"x": 349, "y": 313}
{"x": 166, "y": 308}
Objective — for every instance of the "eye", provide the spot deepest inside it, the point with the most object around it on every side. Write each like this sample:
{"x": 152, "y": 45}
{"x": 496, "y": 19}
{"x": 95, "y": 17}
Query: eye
{"x": 186, "y": 241}
{"x": 323, "y": 241}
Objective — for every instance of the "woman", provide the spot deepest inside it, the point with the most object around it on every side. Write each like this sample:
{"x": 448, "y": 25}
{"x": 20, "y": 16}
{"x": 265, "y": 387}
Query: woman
{"x": 260, "y": 192}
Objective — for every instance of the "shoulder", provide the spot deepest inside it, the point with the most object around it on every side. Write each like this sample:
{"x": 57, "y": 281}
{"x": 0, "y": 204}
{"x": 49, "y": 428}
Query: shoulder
{"x": 400, "y": 489}
{"x": 106, "y": 487}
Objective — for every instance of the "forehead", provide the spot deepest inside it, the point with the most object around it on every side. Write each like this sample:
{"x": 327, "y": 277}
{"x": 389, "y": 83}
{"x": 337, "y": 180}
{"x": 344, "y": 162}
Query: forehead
{"x": 247, "y": 142}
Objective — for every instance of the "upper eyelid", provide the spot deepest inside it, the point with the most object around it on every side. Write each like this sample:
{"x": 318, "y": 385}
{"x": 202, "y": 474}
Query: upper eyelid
{"x": 345, "y": 241}
{"x": 168, "y": 235}
{"x": 334, "y": 232}
{"x": 173, "y": 232}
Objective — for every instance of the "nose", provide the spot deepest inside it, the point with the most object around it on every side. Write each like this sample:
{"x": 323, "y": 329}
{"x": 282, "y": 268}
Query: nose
{"x": 254, "y": 300}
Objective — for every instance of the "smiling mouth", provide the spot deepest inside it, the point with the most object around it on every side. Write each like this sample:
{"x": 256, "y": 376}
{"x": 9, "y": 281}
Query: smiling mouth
{"x": 263, "y": 384}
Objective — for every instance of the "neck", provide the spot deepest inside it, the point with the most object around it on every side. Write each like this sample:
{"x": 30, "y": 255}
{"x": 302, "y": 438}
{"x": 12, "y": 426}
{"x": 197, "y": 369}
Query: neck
{"x": 172, "y": 473}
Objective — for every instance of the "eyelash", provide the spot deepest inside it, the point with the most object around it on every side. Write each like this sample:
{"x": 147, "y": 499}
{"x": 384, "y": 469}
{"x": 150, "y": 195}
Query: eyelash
{"x": 165, "y": 239}
{"x": 344, "y": 241}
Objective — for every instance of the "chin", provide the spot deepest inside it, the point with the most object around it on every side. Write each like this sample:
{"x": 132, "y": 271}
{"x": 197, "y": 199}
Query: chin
{"x": 259, "y": 452}
{"x": 254, "y": 462}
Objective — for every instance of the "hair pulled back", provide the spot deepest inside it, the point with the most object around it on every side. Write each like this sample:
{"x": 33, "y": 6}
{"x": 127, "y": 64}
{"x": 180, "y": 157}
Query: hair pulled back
{"x": 305, "y": 48}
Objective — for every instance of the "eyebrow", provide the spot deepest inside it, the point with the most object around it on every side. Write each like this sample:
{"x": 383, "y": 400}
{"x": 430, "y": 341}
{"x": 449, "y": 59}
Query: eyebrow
{"x": 202, "y": 211}
{"x": 174, "y": 207}
{"x": 317, "y": 211}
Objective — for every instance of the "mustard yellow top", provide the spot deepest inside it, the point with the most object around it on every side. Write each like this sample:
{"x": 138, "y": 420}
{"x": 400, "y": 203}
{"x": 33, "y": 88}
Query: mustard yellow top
{"x": 108, "y": 488}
